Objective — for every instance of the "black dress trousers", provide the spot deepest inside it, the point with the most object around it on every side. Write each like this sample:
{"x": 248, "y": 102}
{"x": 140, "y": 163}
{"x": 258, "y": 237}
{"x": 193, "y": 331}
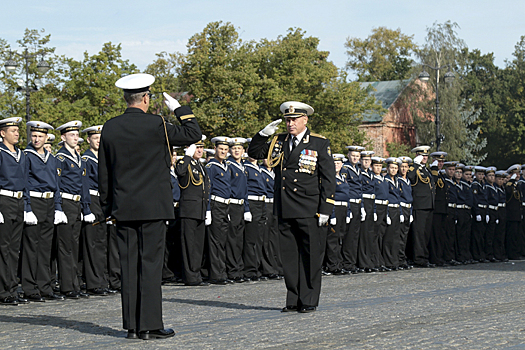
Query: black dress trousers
{"x": 390, "y": 248}
{"x": 351, "y": 238}
{"x": 217, "y": 237}
{"x": 404, "y": 227}
{"x": 422, "y": 228}
{"x": 68, "y": 236}
{"x": 192, "y": 241}
{"x": 463, "y": 231}
{"x": 490, "y": 232}
{"x": 37, "y": 241}
{"x": 234, "y": 241}
{"x": 253, "y": 239}
{"x": 478, "y": 236}
{"x": 141, "y": 246}
{"x": 366, "y": 235}
{"x": 273, "y": 250}
{"x": 333, "y": 258}
{"x": 499, "y": 235}
{"x": 437, "y": 239}
{"x": 10, "y": 236}
{"x": 113, "y": 259}
{"x": 94, "y": 243}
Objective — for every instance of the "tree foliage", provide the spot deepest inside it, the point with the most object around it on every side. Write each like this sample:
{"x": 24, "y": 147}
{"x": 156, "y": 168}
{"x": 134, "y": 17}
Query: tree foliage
{"x": 385, "y": 55}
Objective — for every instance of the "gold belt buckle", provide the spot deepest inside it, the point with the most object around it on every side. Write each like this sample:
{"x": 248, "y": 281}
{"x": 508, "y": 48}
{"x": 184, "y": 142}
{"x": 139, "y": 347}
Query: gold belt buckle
{"x": 19, "y": 195}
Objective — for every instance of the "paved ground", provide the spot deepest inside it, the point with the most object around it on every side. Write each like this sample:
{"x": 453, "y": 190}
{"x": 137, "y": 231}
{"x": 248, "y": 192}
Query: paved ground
{"x": 467, "y": 307}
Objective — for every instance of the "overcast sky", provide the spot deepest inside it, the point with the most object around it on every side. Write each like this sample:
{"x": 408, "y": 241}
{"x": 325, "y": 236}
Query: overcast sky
{"x": 148, "y": 27}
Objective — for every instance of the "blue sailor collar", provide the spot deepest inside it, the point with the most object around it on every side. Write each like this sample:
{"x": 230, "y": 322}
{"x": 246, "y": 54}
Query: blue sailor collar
{"x": 407, "y": 180}
{"x": 269, "y": 172}
{"x": 379, "y": 177}
{"x": 452, "y": 182}
{"x": 387, "y": 178}
{"x": 90, "y": 155}
{"x": 256, "y": 167}
{"x": 18, "y": 152}
{"x": 231, "y": 161}
{"x": 64, "y": 152}
{"x": 31, "y": 149}
{"x": 464, "y": 183}
{"x": 492, "y": 187}
{"x": 354, "y": 168}
{"x": 213, "y": 161}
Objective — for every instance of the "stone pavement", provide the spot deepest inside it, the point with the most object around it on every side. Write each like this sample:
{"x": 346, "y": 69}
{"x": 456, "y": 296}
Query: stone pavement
{"x": 466, "y": 307}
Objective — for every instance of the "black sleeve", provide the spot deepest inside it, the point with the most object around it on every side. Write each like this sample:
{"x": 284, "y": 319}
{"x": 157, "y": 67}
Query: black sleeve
{"x": 104, "y": 180}
{"x": 188, "y": 132}
{"x": 259, "y": 147}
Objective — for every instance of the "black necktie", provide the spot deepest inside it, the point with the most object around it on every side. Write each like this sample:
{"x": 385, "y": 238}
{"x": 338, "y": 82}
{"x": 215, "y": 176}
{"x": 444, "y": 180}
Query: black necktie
{"x": 294, "y": 140}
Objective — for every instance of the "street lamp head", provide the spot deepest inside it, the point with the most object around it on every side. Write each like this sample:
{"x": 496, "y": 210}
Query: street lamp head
{"x": 424, "y": 76}
{"x": 449, "y": 77}
{"x": 43, "y": 66}
{"x": 10, "y": 65}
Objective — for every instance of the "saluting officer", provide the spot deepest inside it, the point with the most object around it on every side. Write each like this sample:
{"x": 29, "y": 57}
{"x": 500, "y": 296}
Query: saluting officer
{"x": 43, "y": 199}
{"x": 94, "y": 235}
{"x": 135, "y": 190}
{"x": 13, "y": 182}
{"x": 195, "y": 191}
{"x": 304, "y": 196}
{"x": 514, "y": 200}
{"x": 74, "y": 190}
{"x": 217, "y": 215}
{"x": 423, "y": 192}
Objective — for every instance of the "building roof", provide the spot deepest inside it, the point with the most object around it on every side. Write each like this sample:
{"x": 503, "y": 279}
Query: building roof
{"x": 385, "y": 91}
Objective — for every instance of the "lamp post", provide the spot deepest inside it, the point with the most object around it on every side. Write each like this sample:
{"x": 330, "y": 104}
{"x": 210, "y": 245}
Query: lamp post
{"x": 42, "y": 67}
{"x": 449, "y": 77}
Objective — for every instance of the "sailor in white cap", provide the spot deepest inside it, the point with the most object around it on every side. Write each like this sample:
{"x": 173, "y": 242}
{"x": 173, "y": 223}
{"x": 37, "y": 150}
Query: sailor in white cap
{"x": 12, "y": 215}
{"x": 480, "y": 213}
{"x": 74, "y": 191}
{"x": 514, "y": 199}
{"x": 492, "y": 212}
{"x": 501, "y": 221}
{"x": 406, "y": 206}
{"x": 423, "y": 192}
{"x": 48, "y": 146}
{"x": 304, "y": 199}
{"x": 240, "y": 216}
{"x": 94, "y": 235}
{"x": 366, "y": 231}
{"x": 390, "y": 242}
{"x": 45, "y": 202}
{"x": 134, "y": 190}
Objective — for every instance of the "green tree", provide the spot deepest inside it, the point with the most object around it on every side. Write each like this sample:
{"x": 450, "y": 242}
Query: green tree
{"x": 385, "y": 55}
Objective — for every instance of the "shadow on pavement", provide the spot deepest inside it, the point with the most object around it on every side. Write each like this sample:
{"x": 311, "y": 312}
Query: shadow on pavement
{"x": 61, "y": 322}
{"x": 220, "y": 304}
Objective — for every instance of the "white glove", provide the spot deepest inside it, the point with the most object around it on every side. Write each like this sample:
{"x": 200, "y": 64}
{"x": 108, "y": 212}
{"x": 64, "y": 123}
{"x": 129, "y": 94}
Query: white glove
{"x": 388, "y": 221}
{"x": 109, "y": 221}
{"x": 1, "y": 218}
{"x": 418, "y": 159}
{"x": 456, "y": 222}
{"x": 348, "y": 219}
{"x": 434, "y": 163}
{"x": 172, "y": 103}
{"x": 497, "y": 221}
{"x": 411, "y": 218}
{"x": 333, "y": 221}
{"x": 247, "y": 216}
{"x": 375, "y": 216}
{"x": 323, "y": 219}
{"x": 487, "y": 218}
{"x": 513, "y": 176}
{"x": 90, "y": 218}
{"x": 229, "y": 219}
{"x": 363, "y": 214}
{"x": 478, "y": 218}
{"x": 60, "y": 217}
{"x": 30, "y": 218}
{"x": 190, "y": 151}
{"x": 401, "y": 218}
{"x": 270, "y": 129}
{"x": 207, "y": 221}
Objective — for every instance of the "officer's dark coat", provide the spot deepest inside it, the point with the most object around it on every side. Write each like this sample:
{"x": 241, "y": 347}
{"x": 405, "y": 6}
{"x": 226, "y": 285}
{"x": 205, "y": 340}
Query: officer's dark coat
{"x": 422, "y": 186}
{"x": 303, "y": 186}
{"x": 134, "y": 163}
{"x": 193, "y": 198}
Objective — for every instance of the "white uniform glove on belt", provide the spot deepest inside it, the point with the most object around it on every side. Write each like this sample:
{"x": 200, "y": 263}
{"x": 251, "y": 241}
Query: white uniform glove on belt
{"x": 487, "y": 218}
{"x": 60, "y": 217}
{"x": 172, "y": 103}
{"x": 401, "y": 218}
{"x": 30, "y": 218}
{"x": 247, "y": 216}
{"x": 388, "y": 221}
{"x": 207, "y": 221}
{"x": 478, "y": 218}
{"x": 1, "y": 218}
{"x": 411, "y": 218}
{"x": 333, "y": 221}
{"x": 375, "y": 216}
{"x": 363, "y": 214}
{"x": 323, "y": 219}
{"x": 270, "y": 129}
{"x": 348, "y": 219}
{"x": 90, "y": 218}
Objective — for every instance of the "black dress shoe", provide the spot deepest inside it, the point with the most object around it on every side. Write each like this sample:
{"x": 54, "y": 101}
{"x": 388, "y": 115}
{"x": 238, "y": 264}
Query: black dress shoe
{"x": 263, "y": 278}
{"x": 384, "y": 269}
{"x": 239, "y": 280}
{"x": 197, "y": 284}
{"x": 35, "y": 297}
{"x": 171, "y": 280}
{"x": 111, "y": 291}
{"x": 21, "y": 300}
{"x": 326, "y": 273}
{"x": 72, "y": 295}
{"x": 273, "y": 276}
{"x": 306, "y": 309}
{"x": 289, "y": 308}
{"x": 83, "y": 295}
{"x": 219, "y": 282}
{"x": 252, "y": 279}
{"x": 158, "y": 334}
{"x": 98, "y": 292}
{"x": 54, "y": 296}
{"x": 9, "y": 301}
{"x": 132, "y": 334}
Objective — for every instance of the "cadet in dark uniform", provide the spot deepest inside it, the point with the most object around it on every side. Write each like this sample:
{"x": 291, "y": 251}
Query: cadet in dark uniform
{"x": 43, "y": 199}
{"x": 449, "y": 245}
{"x": 195, "y": 192}
{"x": 366, "y": 231}
{"x": 380, "y": 214}
{"x": 493, "y": 206}
{"x": 74, "y": 190}
{"x": 501, "y": 221}
{"x": 13, "y": 182}
{"x": 304, "y": 197}
{"x": 480, "y": 215}
{"x": 514, "y": 200}
{"x": 94, "y": 235}
{"x": 391, "y": 240}
{"x": 423, "y": 193}
{"x": 439, "y": 219}
{"x": 135, "y": 190}
{"x": 406, "y": 207}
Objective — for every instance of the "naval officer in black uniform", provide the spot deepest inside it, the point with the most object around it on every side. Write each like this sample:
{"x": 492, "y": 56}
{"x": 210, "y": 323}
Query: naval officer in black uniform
{"x": 304, "y": 198}
{"x": 135, "y": 189}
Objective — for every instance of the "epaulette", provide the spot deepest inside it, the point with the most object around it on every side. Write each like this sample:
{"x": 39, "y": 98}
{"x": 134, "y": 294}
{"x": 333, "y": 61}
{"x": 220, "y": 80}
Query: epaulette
{"x": 317, "y": 135}
{"x": 84, "y": 158}
{"x": 208, "y": 165}
{"x": 434, "y": 172}
{"x": 61, "y": 157}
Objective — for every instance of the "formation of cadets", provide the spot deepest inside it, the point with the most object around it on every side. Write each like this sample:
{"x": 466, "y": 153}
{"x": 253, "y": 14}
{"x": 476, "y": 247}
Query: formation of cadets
{"x": 410, "y": 213}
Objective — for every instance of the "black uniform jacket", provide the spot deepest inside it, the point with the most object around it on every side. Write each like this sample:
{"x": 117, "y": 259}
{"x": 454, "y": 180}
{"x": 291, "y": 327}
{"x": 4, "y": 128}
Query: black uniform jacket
{"x": 441, "y": 192}
{"x": 304, "y": 178}
{"x": 195, "y": 188}
{"x": 134, "y": 163}
{"x": 422, "y": 186}
{"x": 513, "y": 200}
